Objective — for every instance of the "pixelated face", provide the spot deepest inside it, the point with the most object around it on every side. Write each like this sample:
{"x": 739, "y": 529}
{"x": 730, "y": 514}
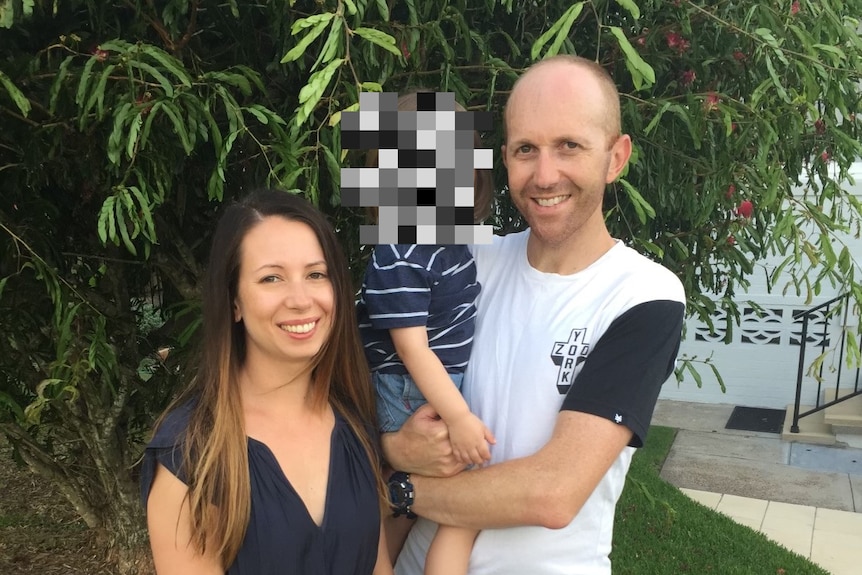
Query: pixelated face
{"x": 423, "y": 184}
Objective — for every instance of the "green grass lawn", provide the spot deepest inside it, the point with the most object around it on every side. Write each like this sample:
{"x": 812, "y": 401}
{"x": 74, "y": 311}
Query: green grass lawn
{"x": 660, "y": 531}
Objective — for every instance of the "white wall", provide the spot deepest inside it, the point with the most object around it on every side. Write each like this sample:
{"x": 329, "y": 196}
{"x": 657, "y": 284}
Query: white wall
{"x": 759, "y": 366}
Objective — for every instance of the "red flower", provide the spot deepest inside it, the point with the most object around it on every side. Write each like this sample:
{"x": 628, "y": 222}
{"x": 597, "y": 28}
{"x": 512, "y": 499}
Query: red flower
{"x": 733, "y": 127}
{"x": 100, "y": 55}
{"x": 739, "y": 56}
{"x": 825, "y": 156}
{"x": 819, "y": 126}
{"x": 794, "y": 8}
{"x": 676, "y": 42}
{"x": 711, "y": 102}
{"x": 731, "y": 189}
{"x": 640, "y": 40}
{"x": 731, "y": 240}
{"x": 404, "y": 50}
{"x": 745, "y": 209}
{"x": 688, "y": 77}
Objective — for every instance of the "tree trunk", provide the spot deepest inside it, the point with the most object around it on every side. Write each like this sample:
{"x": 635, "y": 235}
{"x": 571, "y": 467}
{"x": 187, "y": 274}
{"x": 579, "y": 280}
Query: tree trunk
{"x": 126, "y": 541}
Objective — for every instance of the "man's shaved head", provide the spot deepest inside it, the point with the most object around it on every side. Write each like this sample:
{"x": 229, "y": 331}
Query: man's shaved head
{"x": 604, "y": 80}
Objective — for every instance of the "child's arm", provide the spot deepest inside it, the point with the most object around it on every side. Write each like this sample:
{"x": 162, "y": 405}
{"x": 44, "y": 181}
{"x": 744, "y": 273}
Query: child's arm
{"x": 467, "y": 433}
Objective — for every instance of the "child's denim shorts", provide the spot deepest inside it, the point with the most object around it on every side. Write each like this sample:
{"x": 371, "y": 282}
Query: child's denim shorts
{"x": 398, "y": 398}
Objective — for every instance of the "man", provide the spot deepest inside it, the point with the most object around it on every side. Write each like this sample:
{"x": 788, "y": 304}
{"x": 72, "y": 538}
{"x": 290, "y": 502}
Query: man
{"x": 575, "y": 335}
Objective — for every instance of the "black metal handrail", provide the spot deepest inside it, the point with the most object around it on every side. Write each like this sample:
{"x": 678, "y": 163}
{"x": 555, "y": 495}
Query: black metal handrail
{"x": 806, "y": 315}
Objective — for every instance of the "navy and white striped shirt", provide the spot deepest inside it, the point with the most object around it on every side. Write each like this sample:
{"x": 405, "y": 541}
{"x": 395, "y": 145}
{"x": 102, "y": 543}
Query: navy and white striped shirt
{"x": 409, "y": 285}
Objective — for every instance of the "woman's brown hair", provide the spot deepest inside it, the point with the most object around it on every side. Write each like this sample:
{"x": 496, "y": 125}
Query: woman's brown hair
{"x": 215, "y": 447}
{"x": 483, "y": 180}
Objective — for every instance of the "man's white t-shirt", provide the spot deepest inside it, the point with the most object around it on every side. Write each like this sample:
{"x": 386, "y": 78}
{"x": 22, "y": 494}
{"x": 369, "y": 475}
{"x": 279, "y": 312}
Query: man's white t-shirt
{"x": 601, "y": 341}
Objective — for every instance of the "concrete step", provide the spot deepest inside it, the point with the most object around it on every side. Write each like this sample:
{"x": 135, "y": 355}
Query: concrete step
{"x": 812, "y": 429}
{"x": 845, "y": 417}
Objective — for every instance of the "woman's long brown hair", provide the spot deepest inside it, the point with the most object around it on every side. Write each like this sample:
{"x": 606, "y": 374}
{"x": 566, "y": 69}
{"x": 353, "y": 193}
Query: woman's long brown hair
{"x": 215, "y": 445}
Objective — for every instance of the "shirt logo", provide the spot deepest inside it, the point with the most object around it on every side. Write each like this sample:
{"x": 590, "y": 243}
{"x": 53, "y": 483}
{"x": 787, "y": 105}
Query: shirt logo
{"x": 568, "y": 355}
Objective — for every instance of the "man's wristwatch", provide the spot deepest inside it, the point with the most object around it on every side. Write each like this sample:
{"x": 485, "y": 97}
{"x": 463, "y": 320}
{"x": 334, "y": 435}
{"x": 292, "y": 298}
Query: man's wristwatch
{"x": 401, "y": 494}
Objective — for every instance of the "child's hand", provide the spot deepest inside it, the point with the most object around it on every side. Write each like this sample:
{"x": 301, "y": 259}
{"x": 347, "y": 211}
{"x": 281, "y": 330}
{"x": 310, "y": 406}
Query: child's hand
{"x": 470, "y": 438}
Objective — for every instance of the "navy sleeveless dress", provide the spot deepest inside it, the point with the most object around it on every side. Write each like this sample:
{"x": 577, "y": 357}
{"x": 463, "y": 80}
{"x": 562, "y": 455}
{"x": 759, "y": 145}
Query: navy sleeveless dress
{"x": 282, "y": 539}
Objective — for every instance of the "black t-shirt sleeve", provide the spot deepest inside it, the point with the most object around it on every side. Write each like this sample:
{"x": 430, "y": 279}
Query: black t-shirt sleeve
{"x": 621, "y": 378}
{"x": 166, "y": 448}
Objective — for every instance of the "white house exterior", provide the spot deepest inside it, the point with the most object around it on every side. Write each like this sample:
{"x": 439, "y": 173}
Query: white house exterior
{"x": 759, "y": 366}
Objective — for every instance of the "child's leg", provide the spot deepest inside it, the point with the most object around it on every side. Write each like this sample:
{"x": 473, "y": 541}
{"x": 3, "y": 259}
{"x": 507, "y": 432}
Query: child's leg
{"x": 450, "y": 550}
{"x": 396, "y": 530}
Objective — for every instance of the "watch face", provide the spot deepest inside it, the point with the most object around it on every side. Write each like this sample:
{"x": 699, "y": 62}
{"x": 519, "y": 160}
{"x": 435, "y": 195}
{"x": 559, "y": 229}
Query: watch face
{"x": 401, "y": 493}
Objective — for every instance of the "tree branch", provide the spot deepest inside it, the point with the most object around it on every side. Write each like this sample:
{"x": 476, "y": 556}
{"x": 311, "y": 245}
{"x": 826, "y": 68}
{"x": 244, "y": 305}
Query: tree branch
{"x": 43, "y": 464}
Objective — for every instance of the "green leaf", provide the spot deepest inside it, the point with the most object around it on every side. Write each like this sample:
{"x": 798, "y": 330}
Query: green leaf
{"x": 571, "y": 15}
{"x": 106, "y": 225}
{"x": 310, "y": 21}
{"x": 332, "y": 44}
{"x": 98, "y": 93}
{"x": 642, "y": 73}
{"x": 379, "y": 38}
{"x": 682, "y": 114}
{"x": 767, "y": 35}
{"x": 694, "y": 373}
{"x": 351, "y": 7}
{"x": 311, "y": 93}
{"x": 134, "y": 130}
{"x": 776, "y": 81}
{"x": 83, "y": 83}
{"x": 17, "y": 95}
{"x": 114, "y": 148}
{"x": 237, "y": 80}
{"x": 333, "y": 166}
{"x": 162, "y": 80}
{"x": 117, "y": 45}
{"x": 543, "y": 39}
{"x": 56, "y": 86}
{"x": 303, "y": 44}
{"x": 383, "y": 9}
{"x": 145, "y": 213}
{"x": 261, "y": 117}
{"x": 124, "y": 230}
{"x": 831, "y": 49}
{"x": 642, "y": 207}
{"x": 148, "y": 124}
{"x": 656, "y": 119}
{"x": 631, "y": 7}
{"x": 179, "y": 127}
{"x": 169, "y": 62}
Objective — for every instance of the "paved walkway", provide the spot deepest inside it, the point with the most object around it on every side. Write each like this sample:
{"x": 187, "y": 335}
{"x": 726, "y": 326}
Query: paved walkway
{"x": 811, "y": 505}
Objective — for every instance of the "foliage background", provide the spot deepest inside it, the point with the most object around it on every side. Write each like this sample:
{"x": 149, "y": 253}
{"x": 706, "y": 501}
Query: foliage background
{"x": 125, "y": 124}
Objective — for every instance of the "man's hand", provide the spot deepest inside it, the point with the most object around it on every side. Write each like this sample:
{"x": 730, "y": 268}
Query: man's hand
{"x": 422, "y": 446}
{"x": 470, "y": 438}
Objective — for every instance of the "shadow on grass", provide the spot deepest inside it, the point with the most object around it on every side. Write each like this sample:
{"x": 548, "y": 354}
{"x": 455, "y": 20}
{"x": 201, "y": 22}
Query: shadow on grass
{"x": 660, "y": 531}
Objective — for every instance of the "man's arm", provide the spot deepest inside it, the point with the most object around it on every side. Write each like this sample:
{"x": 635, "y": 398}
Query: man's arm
{"x": 421, "y": 446}
{"x": 608, "y": 407}
{"x": 547, "y": 488}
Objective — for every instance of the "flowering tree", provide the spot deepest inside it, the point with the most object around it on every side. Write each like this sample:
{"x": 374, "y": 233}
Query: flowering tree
{"x": 125, "y": 124}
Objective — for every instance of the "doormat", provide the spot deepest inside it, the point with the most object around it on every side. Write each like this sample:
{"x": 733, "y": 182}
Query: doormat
{"x": 756, "y": 419}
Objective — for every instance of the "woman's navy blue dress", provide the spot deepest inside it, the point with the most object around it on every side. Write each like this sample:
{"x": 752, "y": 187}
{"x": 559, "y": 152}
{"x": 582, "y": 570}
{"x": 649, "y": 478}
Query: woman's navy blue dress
{"x": 282, "y": 538}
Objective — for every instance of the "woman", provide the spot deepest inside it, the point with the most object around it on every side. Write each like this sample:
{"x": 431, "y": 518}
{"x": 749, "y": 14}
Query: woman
{"x": 265, "y": 463}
